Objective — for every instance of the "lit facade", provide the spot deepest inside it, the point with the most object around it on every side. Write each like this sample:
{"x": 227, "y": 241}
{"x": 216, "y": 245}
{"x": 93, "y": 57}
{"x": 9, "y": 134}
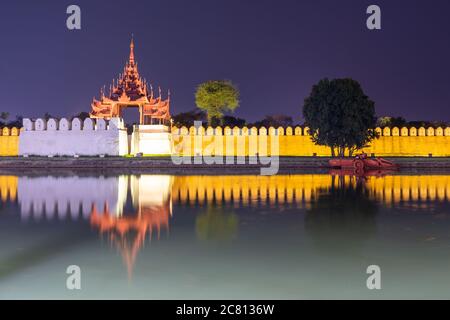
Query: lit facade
{"x": 131, "y": 90}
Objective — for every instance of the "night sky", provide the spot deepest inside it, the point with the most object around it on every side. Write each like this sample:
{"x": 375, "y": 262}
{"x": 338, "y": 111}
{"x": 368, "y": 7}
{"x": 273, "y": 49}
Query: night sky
{"x": 274, "y": 50}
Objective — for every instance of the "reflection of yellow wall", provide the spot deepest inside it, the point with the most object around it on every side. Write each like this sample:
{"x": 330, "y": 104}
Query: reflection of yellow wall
{"x": 297, "y": 142}
{"x": 8, "y": 187}
{"x": 248, "y": 190}
{"x": 393, "y": 189}
{"x": 9, "y": 142}
{"x": 302, "y": 189}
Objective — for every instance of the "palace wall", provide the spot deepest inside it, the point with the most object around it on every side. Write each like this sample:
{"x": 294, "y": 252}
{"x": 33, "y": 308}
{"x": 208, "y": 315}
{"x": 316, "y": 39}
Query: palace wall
{"x": 9, "y": 142}
{"x": 76, "y": 137}
{"x": 395, "y": 142}
{"x": 151, "y": 140}
{"x": 93, "y": 138}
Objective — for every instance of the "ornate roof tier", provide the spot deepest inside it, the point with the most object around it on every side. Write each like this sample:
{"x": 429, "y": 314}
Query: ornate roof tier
{"x": 131, "y": 90}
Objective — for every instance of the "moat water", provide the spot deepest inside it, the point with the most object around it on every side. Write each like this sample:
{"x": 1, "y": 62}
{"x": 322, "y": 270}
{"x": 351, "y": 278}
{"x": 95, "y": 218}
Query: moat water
{"x": 224, "y": 237}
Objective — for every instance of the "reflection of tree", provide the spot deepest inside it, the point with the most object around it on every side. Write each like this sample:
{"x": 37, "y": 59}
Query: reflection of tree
{"x": 342, "y": 217}
{"x": 216, "y": 225}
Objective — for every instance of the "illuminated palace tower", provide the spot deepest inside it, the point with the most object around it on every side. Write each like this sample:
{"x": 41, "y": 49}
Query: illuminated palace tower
{"x": 152, "y": 135}
{"x": 130, "y": 90}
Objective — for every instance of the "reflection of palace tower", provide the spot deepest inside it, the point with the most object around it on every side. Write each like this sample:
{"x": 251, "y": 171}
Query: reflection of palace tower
{"x": 151, "y": 200}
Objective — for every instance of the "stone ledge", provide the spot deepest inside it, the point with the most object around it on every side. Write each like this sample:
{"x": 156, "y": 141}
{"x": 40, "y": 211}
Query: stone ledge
{"x": 166, "y": 163}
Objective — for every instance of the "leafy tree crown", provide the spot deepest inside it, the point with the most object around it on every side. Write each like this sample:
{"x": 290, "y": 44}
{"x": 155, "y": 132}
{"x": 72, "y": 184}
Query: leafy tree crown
{"x": 217, "y": 97}
{"x": 340, "y": 115}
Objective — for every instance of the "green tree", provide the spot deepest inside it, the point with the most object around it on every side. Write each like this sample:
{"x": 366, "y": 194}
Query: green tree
{"x": 188, "y": 118}
{"x": 391, "y": 122}
{"x": 3, "y": 117}
{"x": 48, "y": 116}
{"x": 216, "y": 98}
{"x": 16, "y": 123}
{"x": 275, "y": 120}
{"x": 340, "y": 116}
{"x": 231, "y": 121}
{"x": 81, "y": 115}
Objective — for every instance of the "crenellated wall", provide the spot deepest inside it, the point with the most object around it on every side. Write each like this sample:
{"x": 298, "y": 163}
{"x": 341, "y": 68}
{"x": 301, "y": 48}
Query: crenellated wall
{"x": 9, "y": 142}
{"x": 76, "y": 137}
{"x": 93, "y": 138}
{"x": 409, "y": 142}
{"x": 395, "y": 142}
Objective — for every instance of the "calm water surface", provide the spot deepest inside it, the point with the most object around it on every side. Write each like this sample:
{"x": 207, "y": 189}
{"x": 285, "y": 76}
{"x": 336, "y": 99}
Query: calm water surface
{"x": 224, "y": 237}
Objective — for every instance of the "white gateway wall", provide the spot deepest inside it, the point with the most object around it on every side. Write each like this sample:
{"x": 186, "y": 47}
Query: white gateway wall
{"x": 64, "y": 138}
{"x": 151, "y": 140}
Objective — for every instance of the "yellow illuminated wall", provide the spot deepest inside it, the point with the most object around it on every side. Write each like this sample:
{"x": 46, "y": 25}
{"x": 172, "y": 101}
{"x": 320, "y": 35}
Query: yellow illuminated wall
{"x": 9, "y": 142}
{"x": 395, "y": 142}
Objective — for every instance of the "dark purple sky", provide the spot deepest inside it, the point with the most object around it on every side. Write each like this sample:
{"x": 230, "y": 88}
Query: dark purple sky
{"x": 274, "y": 50}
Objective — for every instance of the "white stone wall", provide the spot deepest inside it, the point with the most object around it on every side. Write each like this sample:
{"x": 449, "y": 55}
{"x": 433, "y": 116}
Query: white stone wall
{"x": 151, "y": 140}
{"x": 69, "y": 138}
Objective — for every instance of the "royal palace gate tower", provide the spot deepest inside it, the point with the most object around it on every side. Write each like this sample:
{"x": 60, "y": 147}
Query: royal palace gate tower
{"x": 130, "y": 90}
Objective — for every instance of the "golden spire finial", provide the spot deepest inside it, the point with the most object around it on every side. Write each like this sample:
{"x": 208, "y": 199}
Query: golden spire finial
{"x": 132, "y": 49}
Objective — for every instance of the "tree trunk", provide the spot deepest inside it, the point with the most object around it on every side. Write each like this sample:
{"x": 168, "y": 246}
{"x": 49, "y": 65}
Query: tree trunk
{"x": 209, "y": 118}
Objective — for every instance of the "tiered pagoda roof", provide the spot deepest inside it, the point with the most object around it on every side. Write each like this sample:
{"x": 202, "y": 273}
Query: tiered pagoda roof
{"x": 131, "y": 90}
